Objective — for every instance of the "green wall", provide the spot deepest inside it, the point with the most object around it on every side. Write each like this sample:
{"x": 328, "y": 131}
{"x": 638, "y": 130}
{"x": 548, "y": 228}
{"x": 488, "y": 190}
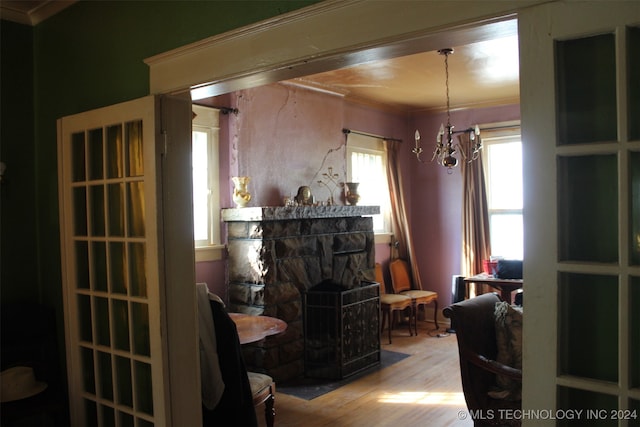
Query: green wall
{"x": 18, "y": 260}
{"x": 88, "y": 56}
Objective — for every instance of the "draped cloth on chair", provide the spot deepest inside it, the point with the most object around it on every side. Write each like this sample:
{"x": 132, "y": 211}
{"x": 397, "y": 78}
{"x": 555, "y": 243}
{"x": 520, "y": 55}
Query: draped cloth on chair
{"x": 476, "y": 242}
{"x": 398, "y": 210}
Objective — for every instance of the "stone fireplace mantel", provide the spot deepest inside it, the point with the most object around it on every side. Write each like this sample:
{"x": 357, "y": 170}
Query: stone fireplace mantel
{"x": 276, "y": 254}
{"x": 281, "y": 213}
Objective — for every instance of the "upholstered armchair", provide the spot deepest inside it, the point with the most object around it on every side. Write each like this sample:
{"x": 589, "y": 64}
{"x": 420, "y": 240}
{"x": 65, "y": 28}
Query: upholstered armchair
{"x": 490, "y": 381}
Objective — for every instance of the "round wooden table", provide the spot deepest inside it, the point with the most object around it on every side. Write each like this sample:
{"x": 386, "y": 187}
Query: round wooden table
{"x": 254, "y": 328}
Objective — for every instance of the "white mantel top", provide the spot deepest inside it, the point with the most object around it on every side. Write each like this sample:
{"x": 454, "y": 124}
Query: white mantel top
{"x": 280, "y": 213}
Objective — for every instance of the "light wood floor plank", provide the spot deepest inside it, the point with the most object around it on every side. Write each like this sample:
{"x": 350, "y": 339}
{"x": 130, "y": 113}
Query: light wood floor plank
{"x": 421, "y": 390}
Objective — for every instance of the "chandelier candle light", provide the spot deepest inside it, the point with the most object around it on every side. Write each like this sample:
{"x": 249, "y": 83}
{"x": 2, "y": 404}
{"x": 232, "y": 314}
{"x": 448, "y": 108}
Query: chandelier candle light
{"x": 445, "y": 149}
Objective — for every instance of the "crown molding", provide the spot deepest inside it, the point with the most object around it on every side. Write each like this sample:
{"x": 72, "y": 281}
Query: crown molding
{"x": 32, "y": 12}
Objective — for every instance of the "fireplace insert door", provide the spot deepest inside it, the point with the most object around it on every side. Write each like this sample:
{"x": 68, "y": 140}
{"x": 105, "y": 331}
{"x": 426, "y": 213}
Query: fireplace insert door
{"x": 341, "y": 330}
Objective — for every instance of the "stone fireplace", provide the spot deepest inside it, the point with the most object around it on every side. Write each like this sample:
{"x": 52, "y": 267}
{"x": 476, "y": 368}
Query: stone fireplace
{"x": 277, "y": 254}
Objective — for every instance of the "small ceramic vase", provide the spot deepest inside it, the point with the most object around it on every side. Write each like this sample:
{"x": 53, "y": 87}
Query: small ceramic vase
{"x": 352, "y": 193}
{"x": 240, "y": 194}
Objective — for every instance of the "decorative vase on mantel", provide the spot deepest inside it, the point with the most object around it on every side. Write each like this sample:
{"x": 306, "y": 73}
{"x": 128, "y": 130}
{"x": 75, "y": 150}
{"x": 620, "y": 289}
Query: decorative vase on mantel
{"x": 352, "y": 195}
{"x": 240, "y": 194}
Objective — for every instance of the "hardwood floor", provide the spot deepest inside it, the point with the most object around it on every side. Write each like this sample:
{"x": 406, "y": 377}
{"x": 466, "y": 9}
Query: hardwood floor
{"x": 421, "y": 390}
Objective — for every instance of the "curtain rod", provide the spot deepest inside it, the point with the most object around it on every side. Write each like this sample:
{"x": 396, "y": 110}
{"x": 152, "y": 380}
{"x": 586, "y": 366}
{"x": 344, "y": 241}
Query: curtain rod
{"x": 488, "y": 128}
{"x": 348, "y": 131}
{"x": 227, "y": 110}
{"x": 223, "y": 110}
{"x": 500, "y": 127}
{"x": 370, "y": 135}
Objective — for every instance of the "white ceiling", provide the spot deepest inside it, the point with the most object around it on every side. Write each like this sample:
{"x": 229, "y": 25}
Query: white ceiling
{"x": 480, "y": 74}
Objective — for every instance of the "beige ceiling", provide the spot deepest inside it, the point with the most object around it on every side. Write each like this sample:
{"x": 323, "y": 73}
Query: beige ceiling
{"x": 480, "y": 74}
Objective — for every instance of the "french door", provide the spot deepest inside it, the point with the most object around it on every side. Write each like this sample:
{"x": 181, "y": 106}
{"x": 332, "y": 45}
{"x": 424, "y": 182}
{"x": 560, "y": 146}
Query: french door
{"x": 128, "y": 298}
{"x": 580, "y": 104}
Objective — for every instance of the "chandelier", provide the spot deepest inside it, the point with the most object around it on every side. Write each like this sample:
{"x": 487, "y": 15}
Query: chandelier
{"x": 445, "y": 150}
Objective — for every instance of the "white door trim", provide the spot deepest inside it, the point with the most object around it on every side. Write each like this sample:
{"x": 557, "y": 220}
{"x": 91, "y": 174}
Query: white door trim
{"x": 328, "y": 35}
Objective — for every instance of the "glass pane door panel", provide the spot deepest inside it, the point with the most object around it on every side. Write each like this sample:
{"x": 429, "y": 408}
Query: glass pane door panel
{"x": 634, "y": 407}
{"x": 588, "y": 208}
{"x": 79, "y": 170}
{"x": 634, "y": 332}
{"x": 137, "y": 269}
{"x": 123, "y": 381}
{"x": 144, "y": 389}
{"x": 96, "y": 208}
{"x": 633, "y": 56}
{"x": 596, "y": 407}
{"x": 82, "y": 265}
{"x": 101, "y": 321}
{"x": 104, "y": 373}
{"x": 116, "y": 209}
{"x": 99, "y": 266}
{"x": 91, "y": 413}
{"x": 588, "y": 348}
{"x": 586, "y": 82}
{"x": 126, "y": 420}
{"x": 108, "y": 417}
{"x": 115, "y": 152}
{"x": 84, "y": 318}
{"x": 133, "y": 139}
{"x": 80, "y": 211}
{"x": 135, "y": 212}
{"x": 88, "y": 377}
{"x": 634, "y": 186}
{"x": 120, "y": 316}
{"x": 117, "y": 268}
{"x": 140, "y": 327}
{"x": 95, "y": 150}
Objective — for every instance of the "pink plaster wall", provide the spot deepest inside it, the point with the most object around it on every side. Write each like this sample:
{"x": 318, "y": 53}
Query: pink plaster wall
{"x": 285, "y": 136}
{"x": 437, "y": 200}
{"x": 213, "y": 274}
{"x": 282, "y": 135}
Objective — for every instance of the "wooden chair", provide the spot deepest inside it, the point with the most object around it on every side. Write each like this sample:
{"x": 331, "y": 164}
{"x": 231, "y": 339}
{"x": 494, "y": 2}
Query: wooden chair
{"x": 392, "y": 303}
{"x": 263, "y": 389}
{"x": 402, "y": 284}
{"x": 474, "y": 323}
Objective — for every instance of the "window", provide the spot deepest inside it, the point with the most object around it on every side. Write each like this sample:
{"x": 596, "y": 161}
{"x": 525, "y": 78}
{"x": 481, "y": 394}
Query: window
{"x": 502, "y": 152}
{"x": 367, "y": 164}
{"x": 206, "y": 189}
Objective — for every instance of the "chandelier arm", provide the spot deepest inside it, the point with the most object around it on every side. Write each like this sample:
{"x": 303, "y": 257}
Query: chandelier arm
{"x": 445, "y": 149}
{"x": 418, "y": 156}
{"x": 437, "y": 152}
